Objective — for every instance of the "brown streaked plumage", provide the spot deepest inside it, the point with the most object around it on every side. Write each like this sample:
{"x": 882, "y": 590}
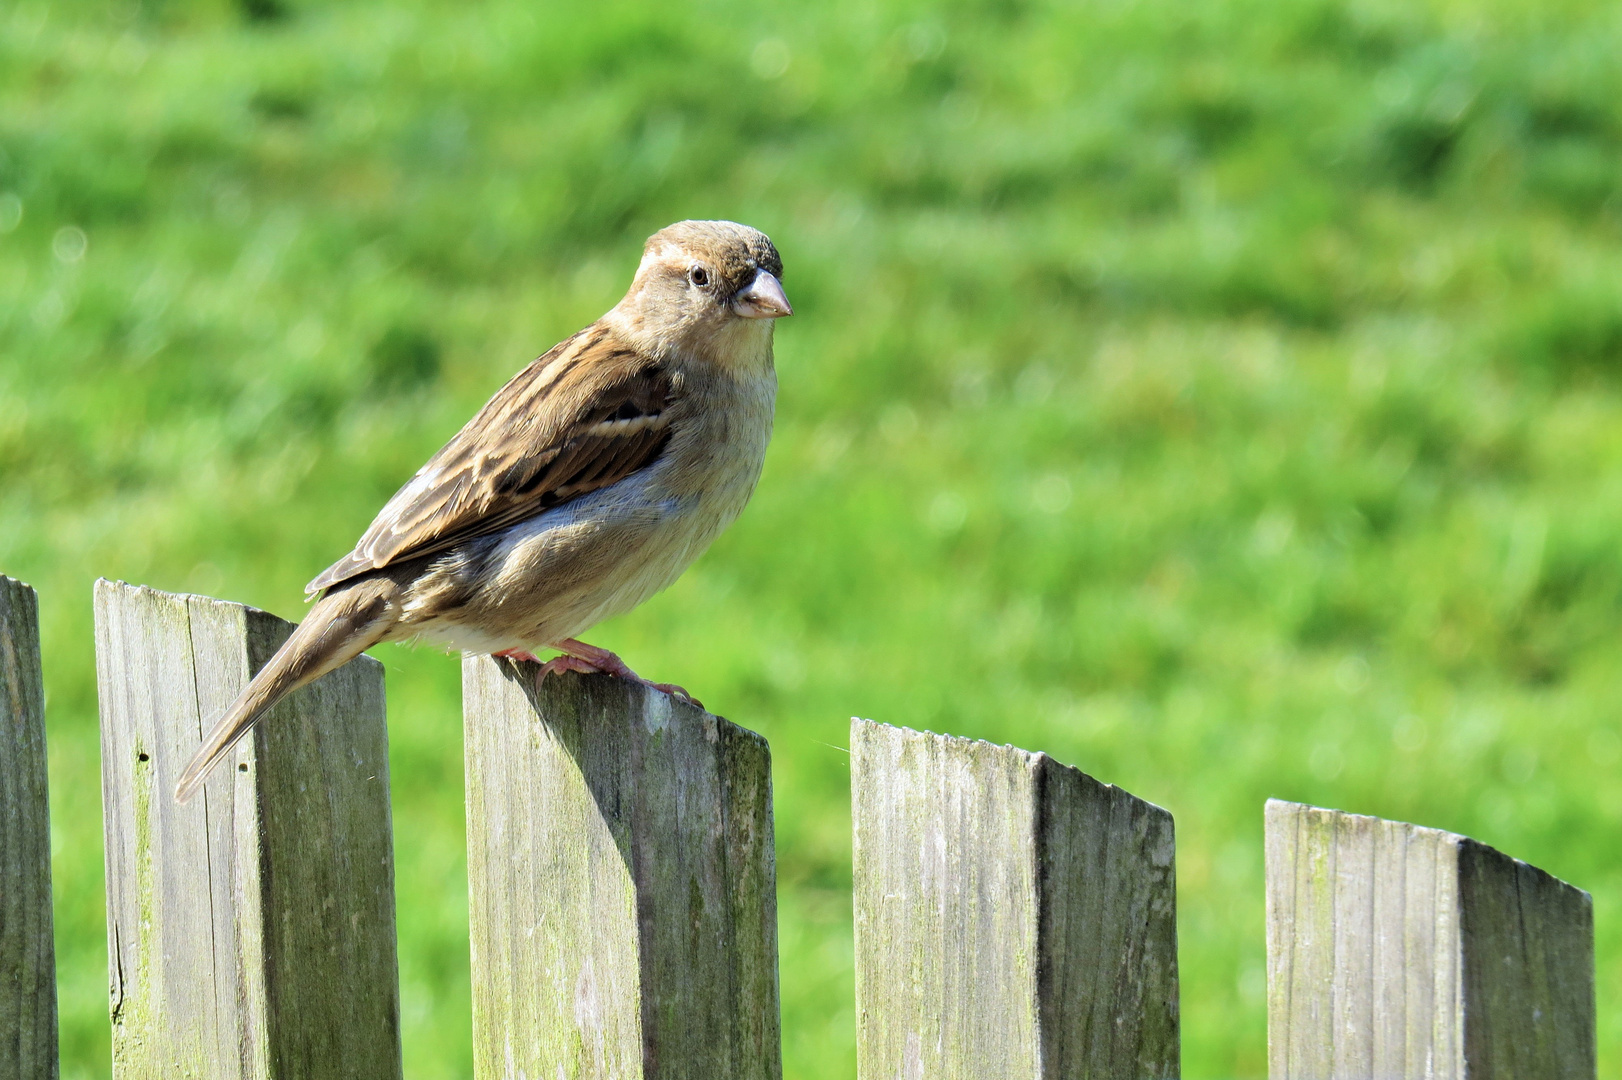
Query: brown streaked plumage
{"x": 586, "y": 414}
{"x": 584, "y": 486}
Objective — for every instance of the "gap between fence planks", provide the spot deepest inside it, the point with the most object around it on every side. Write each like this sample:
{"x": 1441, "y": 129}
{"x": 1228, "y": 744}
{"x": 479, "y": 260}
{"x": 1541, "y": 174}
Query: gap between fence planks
{"x": 1014, "y": 916}
{"x": 27, "y": 954}
{"x": 250, "y": 932}
{"x": 1395, "y": 950}
{"x": 622, "y": 883}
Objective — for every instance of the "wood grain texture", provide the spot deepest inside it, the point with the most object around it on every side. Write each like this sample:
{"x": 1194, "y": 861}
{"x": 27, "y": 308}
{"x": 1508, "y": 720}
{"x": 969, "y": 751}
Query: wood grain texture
{"x": 622, "y": 883}
{"x": 1014, "y": 916}
{"x": 250, "y": 932}
{"x": 1395, "y": 950}
{"x": 27, "y": 955}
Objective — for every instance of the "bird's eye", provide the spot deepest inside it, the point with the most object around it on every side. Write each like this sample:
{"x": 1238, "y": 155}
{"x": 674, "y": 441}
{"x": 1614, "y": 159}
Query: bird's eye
{"x": 700, "y": 276}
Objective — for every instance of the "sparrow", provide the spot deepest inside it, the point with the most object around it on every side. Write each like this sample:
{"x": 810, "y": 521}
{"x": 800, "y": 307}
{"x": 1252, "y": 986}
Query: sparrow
{"x": 586, "y": 485}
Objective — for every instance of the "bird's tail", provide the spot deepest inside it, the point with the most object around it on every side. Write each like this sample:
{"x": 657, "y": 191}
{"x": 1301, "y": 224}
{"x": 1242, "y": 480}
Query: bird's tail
{"x": 342, "y": 625}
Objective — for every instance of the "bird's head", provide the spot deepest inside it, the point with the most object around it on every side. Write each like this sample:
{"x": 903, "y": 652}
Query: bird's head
{"x": 712, "y": 287}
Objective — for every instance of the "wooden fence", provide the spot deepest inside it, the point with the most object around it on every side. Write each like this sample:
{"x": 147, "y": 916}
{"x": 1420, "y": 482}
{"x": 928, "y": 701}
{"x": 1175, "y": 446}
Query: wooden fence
{"x": 1014, "y": 916}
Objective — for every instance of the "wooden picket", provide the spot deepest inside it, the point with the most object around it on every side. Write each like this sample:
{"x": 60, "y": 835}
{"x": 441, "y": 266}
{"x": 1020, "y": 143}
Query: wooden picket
{"x": 27, "y": 954}
{"x": 251, "y": 931}
{"x": 1396, "y": 950}
{"x": 622, "y": 887}
{"x": 1014, "y": 917}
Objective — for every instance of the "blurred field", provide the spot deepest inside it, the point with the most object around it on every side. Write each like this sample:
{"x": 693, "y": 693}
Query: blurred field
{"x": 1224, "y": 398}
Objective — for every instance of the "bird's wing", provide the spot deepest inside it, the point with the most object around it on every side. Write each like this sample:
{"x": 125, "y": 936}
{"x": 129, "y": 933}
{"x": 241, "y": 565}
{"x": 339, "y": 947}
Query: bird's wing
{"x": 587, "y": 414}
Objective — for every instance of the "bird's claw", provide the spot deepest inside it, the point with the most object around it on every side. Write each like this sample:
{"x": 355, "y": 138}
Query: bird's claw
{"x": 603, "y": 662}
{"x": 674, "y": 691}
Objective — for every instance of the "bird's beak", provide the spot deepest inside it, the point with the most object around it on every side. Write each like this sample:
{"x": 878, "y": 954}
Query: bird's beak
{"x": 762, "y": 298}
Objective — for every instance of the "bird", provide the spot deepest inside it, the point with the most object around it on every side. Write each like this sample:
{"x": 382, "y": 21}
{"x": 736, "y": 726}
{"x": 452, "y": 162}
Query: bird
{"x": 585, "y": 485}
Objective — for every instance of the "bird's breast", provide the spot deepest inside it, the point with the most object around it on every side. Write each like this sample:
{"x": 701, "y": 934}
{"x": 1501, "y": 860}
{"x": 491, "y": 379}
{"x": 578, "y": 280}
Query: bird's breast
{"x": 713, "y": 461}
{"x": 558, "y": 574}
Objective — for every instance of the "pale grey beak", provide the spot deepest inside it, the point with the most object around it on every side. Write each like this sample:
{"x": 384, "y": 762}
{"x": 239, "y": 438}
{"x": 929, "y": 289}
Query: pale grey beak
{"x": 762, "y": 298}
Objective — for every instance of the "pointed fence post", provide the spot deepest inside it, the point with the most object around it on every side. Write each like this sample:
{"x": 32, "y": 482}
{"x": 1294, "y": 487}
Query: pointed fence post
{"x": 1015, "y": 918}
{"x": 250, "y": 932}
{"x": 622, "y": 888}
{"x": 1396, "y": 950}
{"x": 27, "y": 955}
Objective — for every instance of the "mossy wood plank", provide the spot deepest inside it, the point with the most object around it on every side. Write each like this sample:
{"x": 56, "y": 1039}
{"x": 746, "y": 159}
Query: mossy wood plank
{"x": 622, "y": 883}
{"x": 250, "y": 932}
{"x": 1014, "y": 916}
{"x": 1397, "y": 950}
{"x": 27, "y": 955}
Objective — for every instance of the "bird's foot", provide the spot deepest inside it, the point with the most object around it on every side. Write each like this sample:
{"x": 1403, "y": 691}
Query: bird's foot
{"x": 549, "y": 667}
{"x": 566, "y": 663}
{"x": 518, "y": 655}
{"x": 588, "y": 659}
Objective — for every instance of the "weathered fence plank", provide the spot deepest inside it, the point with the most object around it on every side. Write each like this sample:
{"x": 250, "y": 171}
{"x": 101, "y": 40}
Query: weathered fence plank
{"x": 27, "y": 955}
{"x": 1014, "y": 916}
{"x": 1395, "y": 950}
{"x": 622, "y": 883}
{"x": 250, "y": 932}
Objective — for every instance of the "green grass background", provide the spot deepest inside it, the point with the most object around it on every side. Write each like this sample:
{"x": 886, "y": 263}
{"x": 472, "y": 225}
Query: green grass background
{"x": 1225, "y": 398}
